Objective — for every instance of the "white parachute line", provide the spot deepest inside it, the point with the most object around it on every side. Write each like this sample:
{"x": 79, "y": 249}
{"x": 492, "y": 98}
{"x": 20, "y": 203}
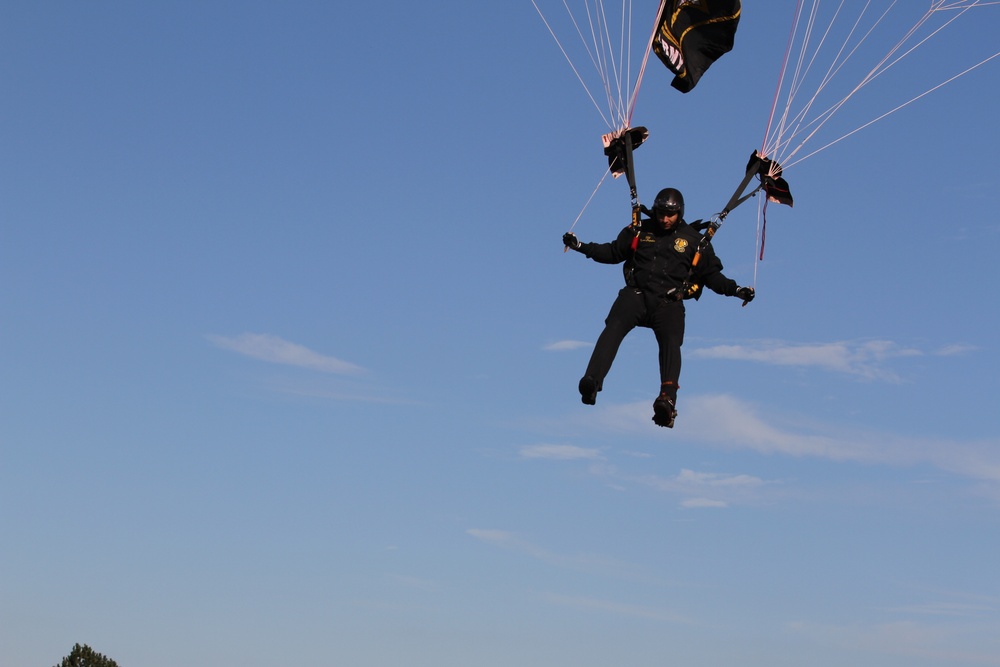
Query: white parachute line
{"x": 570, "y": 61}
{"x": 880, "y": 68}
{"x": 599, "y": 184}
{"x": 601, "y": 34}
{"x": 614, "y": 80}
{"x": 781, "y": 74}
{"x": 780, "y": 143}
{"x": 645, "y": 60}
{"x": 600, "y": 56}
{"x": 757, "y": 241}
{"x": 819, "y": 47}
{"x": 839, "y": 60}
{"x": 627, "y": 56}
{"x": 799, "y": 120}
{"x": 611, "y": 61}
{"x": 892, "y": 111}
{"x": 831, "y": 73}
{"x": 797, "y": 76}
{"x": 618, "y": 62}
{"x": 962, "y": 4}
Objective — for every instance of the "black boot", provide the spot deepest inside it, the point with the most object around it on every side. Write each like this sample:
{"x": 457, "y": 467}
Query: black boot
{"x": 588, "y": 390}
{"x": 664, "y": 412}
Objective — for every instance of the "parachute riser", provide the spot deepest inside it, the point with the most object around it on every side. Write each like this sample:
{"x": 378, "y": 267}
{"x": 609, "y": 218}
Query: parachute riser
{"x": 755, "y": 168}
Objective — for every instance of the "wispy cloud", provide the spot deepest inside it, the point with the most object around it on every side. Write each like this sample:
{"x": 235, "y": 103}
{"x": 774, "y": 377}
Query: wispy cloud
{"x": 559, "y": 452}
{"x": 941, "y": 643}
{"x": 955, "y": 350}
{"x": 697, "y": 490}
{"x": 616, "y": 608}
{"x": 566, "y": 345}
{"x": 945, "y": 609}
{"x": 728, "y": 422}
{"x": 864, "y": 359}
{"x": 703, "y": 502}
{"x": 591, "y": 563}
{"x": 273, "y": 349}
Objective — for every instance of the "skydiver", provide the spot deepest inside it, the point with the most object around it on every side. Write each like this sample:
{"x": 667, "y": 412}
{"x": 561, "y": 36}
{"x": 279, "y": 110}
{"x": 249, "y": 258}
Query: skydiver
{"x": 658, "y": 258}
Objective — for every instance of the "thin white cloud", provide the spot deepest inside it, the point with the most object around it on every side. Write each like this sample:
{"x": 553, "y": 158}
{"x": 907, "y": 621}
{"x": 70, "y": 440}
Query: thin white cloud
{"x": 942, "y": 643}
{"x": 559, "y": 452}
{"x": 864, "y": 359}
{"x": 698, "y": 503}
{"x": 728, "y": 422}
{"x": 415, "y": 583}
{"x": 946, "y": 609}
{"x": 590, "y": 563}
{"x": 567, "y": 345}
{"x": 616, "y": 608}
{"x": 273, "y": 349}
{"x": 955, "y": 350}
{"x": 697, "y": 490}
{"x": 714, "y": 479}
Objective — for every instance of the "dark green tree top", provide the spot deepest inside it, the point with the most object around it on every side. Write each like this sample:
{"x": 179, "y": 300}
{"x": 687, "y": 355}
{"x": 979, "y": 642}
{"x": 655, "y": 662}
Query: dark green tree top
{"x": 84, "y": 656}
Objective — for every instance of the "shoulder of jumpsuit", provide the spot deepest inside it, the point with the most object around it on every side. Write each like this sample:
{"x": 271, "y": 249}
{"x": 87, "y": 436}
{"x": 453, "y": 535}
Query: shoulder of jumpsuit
{"x": 696, "y": 230}
{"x": 625, "y": 236}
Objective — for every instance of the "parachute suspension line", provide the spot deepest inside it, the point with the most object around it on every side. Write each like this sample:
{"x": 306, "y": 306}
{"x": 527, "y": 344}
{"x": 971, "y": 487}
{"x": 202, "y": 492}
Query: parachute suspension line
{"x": 758, "y": 243}
{"x": 600, "y": 37}
{"x": 776, "y": 144}
{"x": 781, "y": 75}
{"x": 904, "y": 104}
{"x": 616, "y": 99}
{"x": 962, "y": 4}
{"x": 613, "y": 73}
{"x": 642, "y": 68}
{"x": 879, "y": 69}
{"x": 831, "y": 72}
{"x": 570, "y": 61}
{"x": 580, "y": 214}
{"x": 601, "y": 52}
{"x": 874, "y": 73}
{"x": 598, "y": 33}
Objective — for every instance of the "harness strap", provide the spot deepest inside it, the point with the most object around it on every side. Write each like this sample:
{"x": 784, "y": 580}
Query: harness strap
{"x": 753, "y": 169}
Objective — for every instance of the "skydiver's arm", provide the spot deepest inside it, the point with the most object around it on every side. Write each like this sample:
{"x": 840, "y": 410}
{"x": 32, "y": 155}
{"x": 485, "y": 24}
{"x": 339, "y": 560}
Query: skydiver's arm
{"x": 711, "y": 275}
{"x": 614, "y": 252}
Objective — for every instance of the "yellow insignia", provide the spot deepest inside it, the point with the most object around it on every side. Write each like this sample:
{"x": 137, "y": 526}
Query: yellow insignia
{"x": 681, "y": 245}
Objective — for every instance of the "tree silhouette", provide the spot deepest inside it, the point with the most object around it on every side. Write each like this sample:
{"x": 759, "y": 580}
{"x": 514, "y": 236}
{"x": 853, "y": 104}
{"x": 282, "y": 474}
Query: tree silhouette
{"x": 84, "y": 656}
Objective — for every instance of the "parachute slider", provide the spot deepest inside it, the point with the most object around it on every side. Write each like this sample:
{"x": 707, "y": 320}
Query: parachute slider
{"x": 618, "y": 147}
{"x": 769, "y": 172}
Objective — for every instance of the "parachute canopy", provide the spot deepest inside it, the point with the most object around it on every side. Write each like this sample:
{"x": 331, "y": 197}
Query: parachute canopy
{"x": 693, "y": 34}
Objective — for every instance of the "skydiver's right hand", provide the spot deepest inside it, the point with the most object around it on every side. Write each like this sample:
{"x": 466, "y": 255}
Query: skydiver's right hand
{"x": 745, "y": 293}
{"x": 570, "y": 241}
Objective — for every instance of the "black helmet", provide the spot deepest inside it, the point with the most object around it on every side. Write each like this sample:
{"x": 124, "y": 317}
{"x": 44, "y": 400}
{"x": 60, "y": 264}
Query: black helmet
{"x": 668, "y": 201}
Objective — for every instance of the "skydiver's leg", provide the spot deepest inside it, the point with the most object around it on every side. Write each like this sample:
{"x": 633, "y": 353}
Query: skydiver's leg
{"x": 626, "y": 312}
{"x": 667, "y": 322}
{"x": 668, "y": 326}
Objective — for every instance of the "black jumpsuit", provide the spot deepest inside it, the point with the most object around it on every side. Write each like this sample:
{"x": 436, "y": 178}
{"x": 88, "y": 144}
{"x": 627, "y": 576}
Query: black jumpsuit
{"x": 660, "y": 263}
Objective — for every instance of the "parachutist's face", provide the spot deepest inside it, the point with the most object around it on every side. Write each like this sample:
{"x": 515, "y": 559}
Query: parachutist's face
{"x": 668, "y": 219}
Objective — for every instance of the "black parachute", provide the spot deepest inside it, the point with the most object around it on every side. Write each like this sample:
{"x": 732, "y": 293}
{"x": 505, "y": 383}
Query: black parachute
{"x": 693, "y": 34}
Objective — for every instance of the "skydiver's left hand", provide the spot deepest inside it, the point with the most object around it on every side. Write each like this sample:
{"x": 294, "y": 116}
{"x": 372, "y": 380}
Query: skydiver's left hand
{"x": 745, "y": 293}
{"x": 570, "y": 241}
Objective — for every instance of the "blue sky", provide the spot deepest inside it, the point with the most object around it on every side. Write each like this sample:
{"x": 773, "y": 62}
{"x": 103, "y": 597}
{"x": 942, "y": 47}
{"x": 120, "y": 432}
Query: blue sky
{"x": 290, "y": 352}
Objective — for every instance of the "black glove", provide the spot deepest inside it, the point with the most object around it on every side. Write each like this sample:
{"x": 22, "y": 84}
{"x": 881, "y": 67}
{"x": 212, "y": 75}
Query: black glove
{"x": 745, "y": 293}
{"x": 570, "y": 241}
